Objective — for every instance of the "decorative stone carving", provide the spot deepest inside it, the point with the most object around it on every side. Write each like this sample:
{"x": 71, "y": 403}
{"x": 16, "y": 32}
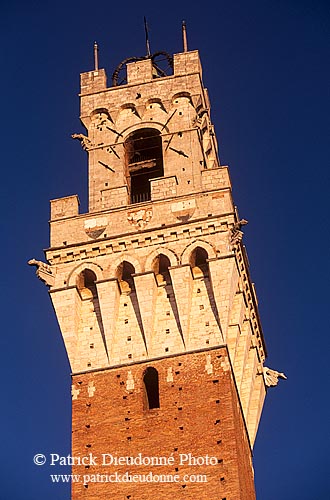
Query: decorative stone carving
{"x": 169, "y": 377}
{"x": 236, "y": 236}
{"x": 91, "y": 389}
{"x": 236, "y": 233}
{"x": 86, "y": 143}
{"x": 44, "y": 271}
{"x": 95, "y": 227}
{"x": 183, "y": 210}
{"x": 197, "y": 122}
{"x": 272, "y": 376}
{"x": 129, "y": 381}
{"x": 209, "y": 366}
{"x": 74, "y": 392}
{"x": 225, "y": 365}
{"x": 139, "y": 218}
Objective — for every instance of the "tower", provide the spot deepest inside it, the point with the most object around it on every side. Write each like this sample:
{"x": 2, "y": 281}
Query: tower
{"x": 152, "y": 292}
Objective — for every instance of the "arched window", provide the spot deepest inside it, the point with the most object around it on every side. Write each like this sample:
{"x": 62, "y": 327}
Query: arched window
{"x": 124, "y": 275}
{"x": 86, "y": 284}
{"x": 151, "y": 385}
{"x": 144, "y": 159}
{"x": 198, "y": 262}
{"x": 160, "y": 268}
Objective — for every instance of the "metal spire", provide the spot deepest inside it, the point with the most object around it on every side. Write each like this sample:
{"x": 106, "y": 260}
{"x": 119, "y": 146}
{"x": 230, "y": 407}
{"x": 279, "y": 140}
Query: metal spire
{"x": 147, "y": 36}
{"x": 96, "y": 56}
{"x": 184, "y": 37}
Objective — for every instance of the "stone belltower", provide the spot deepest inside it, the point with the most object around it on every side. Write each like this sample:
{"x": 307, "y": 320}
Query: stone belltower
{"x": 153, "y": 296}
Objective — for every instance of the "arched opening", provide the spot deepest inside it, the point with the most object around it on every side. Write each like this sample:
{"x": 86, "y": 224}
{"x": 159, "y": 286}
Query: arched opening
{"x": 198, "y": 262}
{"x": 151, "y": 384}
{"x": 160, "y": 268}
{"x": 125, "y": 276}
{"x": 86, "y": 284}
{"x": 144, "y": 159}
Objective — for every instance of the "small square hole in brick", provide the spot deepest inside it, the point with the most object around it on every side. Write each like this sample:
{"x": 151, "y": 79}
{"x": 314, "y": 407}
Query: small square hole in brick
{"x": 207, "y": 341}
{"x": 130, "y": 356}
{"x": 216, "y": 381}
{"x": 198, "y": 290}
{"x": 207, "y": 323}
{"x": 168, "y": 313}
{"x": 89, "y": 365}
{"x": 125, "y": 305}
{"x": 201, "y": 306}
{"x": 166, "y": 349}
{"x": 167, "y": 330}
{"x": 126, "y": 321}
{"x": 91, "y": 346}
{"x": 129, "y": 338}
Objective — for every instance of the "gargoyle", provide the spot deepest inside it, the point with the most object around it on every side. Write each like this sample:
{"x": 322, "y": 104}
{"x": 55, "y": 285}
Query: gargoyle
{"x": 86, "y": 143}
{"x": 272, "y": 376}
{"x": 236, "y": 233}
{"x": 44, "y": 271}
{"x": 240, "y": 223}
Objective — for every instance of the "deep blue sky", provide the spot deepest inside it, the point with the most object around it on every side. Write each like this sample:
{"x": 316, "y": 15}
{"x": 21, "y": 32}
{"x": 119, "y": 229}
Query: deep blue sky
{"x": 266, "y": 65}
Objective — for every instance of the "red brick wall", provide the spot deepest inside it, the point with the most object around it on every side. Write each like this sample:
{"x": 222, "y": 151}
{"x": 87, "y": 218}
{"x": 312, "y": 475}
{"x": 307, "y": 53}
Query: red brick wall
{"x": 199, "y": 414}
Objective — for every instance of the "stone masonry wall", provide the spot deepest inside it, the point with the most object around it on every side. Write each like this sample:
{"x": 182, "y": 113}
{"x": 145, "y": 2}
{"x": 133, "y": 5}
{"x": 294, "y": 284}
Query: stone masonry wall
{"x": 199, "y": 414}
